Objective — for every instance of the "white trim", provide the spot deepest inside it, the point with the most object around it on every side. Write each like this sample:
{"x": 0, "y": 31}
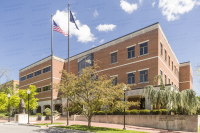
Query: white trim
{"x": 184, "y": 82}
{"x": 143, "y": 42}
{"x": 113, "y": 63}
{"x": 36, "y": 82}
{"x": 38, "y": 70}
{"x": 131, "y": 46}
{"x": 161, "y": 70}
{"x": 114, "y": 52}
{"x": 131, "y": 58}
{"x": 114, "y": 76}
{"x": 143, "y": 82}
{"x": 46, "y": 67}
{"x": 143, "y": 69}
{"x": 169, "y": 69}
{"x": 48, "y": 97}
{"x": 128, "y": 64}
{"x": 143, "y": 54}
{"x": 131, "y": 72}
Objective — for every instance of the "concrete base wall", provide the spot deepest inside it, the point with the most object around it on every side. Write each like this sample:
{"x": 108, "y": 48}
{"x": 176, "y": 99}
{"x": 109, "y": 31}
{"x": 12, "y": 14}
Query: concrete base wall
{"x": 188, "y": 123}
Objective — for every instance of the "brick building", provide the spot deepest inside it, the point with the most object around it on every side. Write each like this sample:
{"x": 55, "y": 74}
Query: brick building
{"x": 135, "y": 58}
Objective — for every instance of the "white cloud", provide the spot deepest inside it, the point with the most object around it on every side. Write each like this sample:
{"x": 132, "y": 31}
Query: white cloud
{"x": 140, "y": 1}
{"x": 172, "y": 9}
{"x": 153, "y": 3}
{"x": 106, "y": 27}
{"x": 127, "y": 7}
{"x": 102, "y": 41}
{"x": 96, "y": 13}
{"x": 84, "y": 34}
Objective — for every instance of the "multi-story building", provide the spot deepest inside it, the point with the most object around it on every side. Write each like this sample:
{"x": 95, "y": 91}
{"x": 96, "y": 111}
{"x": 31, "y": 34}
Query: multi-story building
{"x": 135, "y": 58}
{"x": 13, "y": 84}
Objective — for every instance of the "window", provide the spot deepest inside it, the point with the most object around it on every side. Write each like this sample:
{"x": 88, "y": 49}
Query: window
{"x": 85, "y": 62}
{"x": 172, "y": 65}
{"x": 23, "y": 78}
{"x": 161, "y": 49}
{"x": 131, "y": 78}
{"x": 47, "y": 69}
{"x": 165, "y": 79}
{"x": 144, "y": 48}
{"x": 175, "y": 69}
{"x": 131, "y": 52}
{"x": 160, "y": 72}
{"x": 169, "y": 60}
{"x": 115, "y": 81}
{"x": 46, "y": 88}
{"x": 38, "y": 90}
{"x": 165, "y": 55}
{"x": 114, "y": 57}
{"x": 30, "y": 76}
{"x": 172, "y": 83}
{"x": 168, "y": 80}
{"x": 38, "y": 73}
{"x": 144, "y": 76}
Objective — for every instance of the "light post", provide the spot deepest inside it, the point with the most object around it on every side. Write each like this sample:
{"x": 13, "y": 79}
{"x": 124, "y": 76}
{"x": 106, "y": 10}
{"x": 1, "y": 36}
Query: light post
{"x": 9, "y": 107}
{"x": 28, "y": 92}
{"x": 124, "y": 88}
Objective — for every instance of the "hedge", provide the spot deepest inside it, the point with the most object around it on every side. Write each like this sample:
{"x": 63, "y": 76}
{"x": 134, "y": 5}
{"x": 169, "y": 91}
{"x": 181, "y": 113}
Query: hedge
{"x": 134, "y": 112}
{"x": 144, "y": 112}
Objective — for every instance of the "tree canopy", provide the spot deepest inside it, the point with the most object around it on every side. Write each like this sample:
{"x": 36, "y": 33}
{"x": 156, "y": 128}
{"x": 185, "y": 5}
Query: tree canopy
{"x": 90, "y": 92}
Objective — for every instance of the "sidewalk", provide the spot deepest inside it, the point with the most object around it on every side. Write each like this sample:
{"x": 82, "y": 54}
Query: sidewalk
{"x": 118, "y": 126}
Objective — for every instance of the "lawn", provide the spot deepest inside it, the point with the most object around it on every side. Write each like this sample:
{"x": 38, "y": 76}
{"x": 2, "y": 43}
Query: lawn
{"x": 44, "y": 124}
{"x": 98, "y": 129}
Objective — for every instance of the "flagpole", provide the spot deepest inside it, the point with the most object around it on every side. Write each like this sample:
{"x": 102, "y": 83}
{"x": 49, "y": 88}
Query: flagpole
{"x": 68, "y": 59}
{"x": 51, "y": 69}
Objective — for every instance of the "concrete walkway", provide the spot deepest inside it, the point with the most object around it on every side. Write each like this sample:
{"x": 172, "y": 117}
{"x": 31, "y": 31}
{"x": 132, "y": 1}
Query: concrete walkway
{"x": 118, "y": 126}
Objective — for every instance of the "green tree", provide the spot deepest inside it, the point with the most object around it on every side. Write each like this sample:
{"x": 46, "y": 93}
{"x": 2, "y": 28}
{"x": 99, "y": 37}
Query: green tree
{"x": 171, "y": 97}
{"x": 32, "y": 100}
{"x": 3, "y": 101}
{"x": 90, "y": 92}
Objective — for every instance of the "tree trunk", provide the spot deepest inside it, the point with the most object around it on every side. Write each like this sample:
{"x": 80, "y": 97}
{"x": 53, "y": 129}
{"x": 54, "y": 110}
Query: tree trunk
{"x": 89, "y": 122}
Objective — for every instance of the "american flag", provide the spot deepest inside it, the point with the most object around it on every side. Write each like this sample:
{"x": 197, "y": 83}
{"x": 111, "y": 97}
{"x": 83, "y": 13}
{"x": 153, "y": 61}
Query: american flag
{"x": 58, "y": 29}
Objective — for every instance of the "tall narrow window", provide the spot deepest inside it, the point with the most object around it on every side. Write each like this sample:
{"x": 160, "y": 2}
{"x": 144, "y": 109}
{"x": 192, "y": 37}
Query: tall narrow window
{"x": 165, "y": 55}
{"x": 168, "y": 80}
{"x": 172, "y": 83}
{"x": 131, "y": 78}
{"x": 169, "y": 60}
{"x": 144, "y": 76}
{"x": 172, "y": 65}
{"x": 161, "y": 49}
{"x": 85, "y": 62}
{"x": 114, "y": 57}
{"x": 175, "y": 69}
{"x": 165, "y": 79}
{"x": 115, "y": 81}
{"x": 160, "y": 72}
{"x": 144, "y": 48}
{"x": 131, "y": 52}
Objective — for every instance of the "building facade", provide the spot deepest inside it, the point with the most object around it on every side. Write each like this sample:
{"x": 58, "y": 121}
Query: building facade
{"x": 135, "y": 58}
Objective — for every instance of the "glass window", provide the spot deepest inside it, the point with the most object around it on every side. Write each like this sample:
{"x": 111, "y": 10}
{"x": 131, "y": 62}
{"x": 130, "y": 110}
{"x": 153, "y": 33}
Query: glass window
{"x": 38, "y": 73}
{"x": 172, "y": 83}
{"x": 169, "y": 60}
{"x": 85, "y": 62}
{"x": 23, "y": 78}
{"x": 144, "y": 48}
{"x": 131, "y": 52}
{"x": 131, "y": 78}
{"x": 30, "y": 76}
{"x": 161, "y": 49}
{"x": 168, "y": 81}
{"x": 165, "y": 79}
{"x": 114, "y": 57}
{"x": 38, "y": 90}
{"x": 115, "y": 81}
{"x": 47, "y": 69}
{"x": 144, "y": 76}
{"x": 165, "y": 55}
{"x": 172, "y": 65}
{"x": 46, "y": 88}
{"x": 160, "y": 72}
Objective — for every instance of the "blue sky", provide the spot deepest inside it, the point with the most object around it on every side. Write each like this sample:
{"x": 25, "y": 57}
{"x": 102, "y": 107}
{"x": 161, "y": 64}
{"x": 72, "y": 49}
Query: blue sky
{"x": 25, "y": 35}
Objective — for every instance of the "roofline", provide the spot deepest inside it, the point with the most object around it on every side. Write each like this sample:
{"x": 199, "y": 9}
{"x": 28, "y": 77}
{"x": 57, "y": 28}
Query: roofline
{"x": 185, "y": 62}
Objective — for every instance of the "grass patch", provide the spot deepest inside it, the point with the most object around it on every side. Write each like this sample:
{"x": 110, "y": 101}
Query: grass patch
{"x": 98, "y": 129}
{"x": 44, "y": 124}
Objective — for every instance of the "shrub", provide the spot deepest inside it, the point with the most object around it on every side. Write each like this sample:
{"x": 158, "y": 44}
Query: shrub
{"x": 109, "y": 112}
{"x": 156, "y": 112}
{"x": 49, "y": 113}
{"x": 117, "y": 112}
{"x": 164, "y": 111}
{"x": 127, "y": 112}
{"x": 94, "y": 112}
{"x": 134, "y": 112}
{"x": 144, "y": 111}
{"x": 47, "y": 110}
{"x": 55, "y": 112}
{"x": 101, "y": 113}
{"x": 38, "y": 114}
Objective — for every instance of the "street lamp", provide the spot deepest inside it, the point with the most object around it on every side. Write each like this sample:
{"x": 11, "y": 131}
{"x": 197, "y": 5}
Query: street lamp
{"x": 28, "y": 92}
{"x": 124, "y": 88}
{"x": 9, "y": 106}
